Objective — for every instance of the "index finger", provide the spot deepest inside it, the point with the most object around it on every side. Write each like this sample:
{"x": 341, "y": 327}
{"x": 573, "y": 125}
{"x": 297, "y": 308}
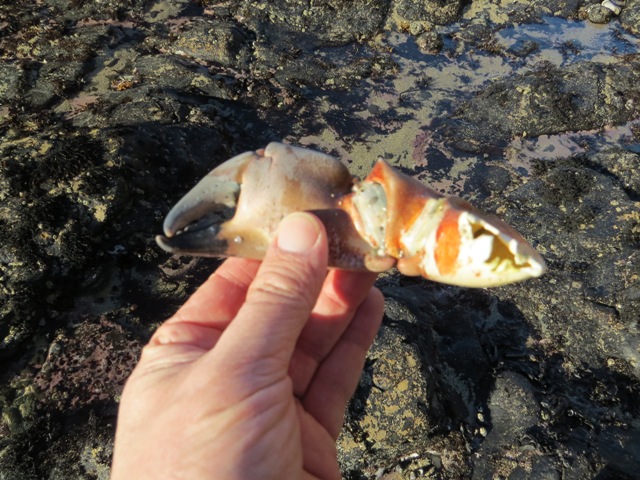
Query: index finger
{"x": 201, "y": 320}
{"x": 217, "y": 301}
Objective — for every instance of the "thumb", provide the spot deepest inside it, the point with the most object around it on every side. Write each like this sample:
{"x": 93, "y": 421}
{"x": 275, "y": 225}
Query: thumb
{"x": 262, "y": 337}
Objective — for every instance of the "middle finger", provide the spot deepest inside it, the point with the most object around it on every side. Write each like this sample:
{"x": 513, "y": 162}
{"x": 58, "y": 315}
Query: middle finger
{"x": 342, "y": 292}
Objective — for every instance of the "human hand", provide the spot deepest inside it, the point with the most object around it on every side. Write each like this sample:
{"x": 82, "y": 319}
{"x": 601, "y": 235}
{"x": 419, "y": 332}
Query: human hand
{"x": 250, "y": 378}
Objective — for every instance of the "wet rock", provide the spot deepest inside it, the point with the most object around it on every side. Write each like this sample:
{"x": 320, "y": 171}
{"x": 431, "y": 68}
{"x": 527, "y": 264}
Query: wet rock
{"x": 224, "y": 43}
{"x": 513, "y": 410}
{"x": 524, "y": 48}
{"x": 48, "y": 229}
{"x": 630, "y": 307}
{"x": 495, "y": 181}
{"x": 108, "y": 10}
{"x": 410, "y": 388}
{"x": 344, "y": 21}
{"x": 56, "y": 60}
{"x": 599, "y": 13}
{"x": 429, "y": 42}
{"x": 572, "y": 199}
{"x": 11, "y": 77}
{"x": 293, "y": 39}
{"x": 493, "y": 13}
{"x": 401, "y": 404}
{"x": 621, "y": 448}
{"x": 391, "y": 414}
{"x": 622, "y": 165}
{"x": 630, "y": 17}
{"x": 80, "y": 452}
{"x": 583, "y": 96}
{"x": 70, "y": 199}
{"x": 435, "y": 12}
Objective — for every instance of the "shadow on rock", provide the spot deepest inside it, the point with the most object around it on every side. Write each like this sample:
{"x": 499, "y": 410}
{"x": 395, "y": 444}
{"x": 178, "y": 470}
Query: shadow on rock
{"x": 429, "y": 377}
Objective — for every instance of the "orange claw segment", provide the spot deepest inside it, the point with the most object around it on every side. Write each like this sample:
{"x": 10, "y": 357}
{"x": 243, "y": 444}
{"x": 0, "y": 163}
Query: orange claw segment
{"x": 406, "y": 199}
{"x": 447, "y": 245}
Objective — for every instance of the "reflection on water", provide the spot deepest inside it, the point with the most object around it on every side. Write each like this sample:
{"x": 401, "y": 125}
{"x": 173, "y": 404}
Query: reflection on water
{"x": 522, "y": 151}
{"x": 563, "y": 42}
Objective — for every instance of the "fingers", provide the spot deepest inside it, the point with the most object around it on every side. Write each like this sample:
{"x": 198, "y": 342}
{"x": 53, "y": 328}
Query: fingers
{"x": 342, "y": 293}
{"x": 262, "y": 337}
{"x": 210, "y": 309}
{"x": 217, "y": 301}
{"x": 337, "y": 377}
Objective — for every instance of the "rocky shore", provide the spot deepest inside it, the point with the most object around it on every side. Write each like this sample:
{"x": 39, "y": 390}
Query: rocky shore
{"x": 110, "y": 111}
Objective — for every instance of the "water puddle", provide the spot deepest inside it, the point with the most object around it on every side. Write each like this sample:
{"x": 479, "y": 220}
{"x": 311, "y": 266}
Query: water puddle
{"x": 563, "y": 42}
{"x": 397, "y": 117}
{"x": 522, "y": 151}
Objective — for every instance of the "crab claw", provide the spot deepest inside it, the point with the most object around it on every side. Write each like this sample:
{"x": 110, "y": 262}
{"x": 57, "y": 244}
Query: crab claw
{"x": 371, "y": 224}
{"x": 444, "y": 239}
{"x": 193, "y": 224}
{"x": 258, "y": 189}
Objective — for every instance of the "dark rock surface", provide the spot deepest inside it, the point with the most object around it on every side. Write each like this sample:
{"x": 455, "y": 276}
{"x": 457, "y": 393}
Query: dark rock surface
{"x": 630, "y": 16}
{"x": 110, "y": 111}
{"x": 549, "y": 100}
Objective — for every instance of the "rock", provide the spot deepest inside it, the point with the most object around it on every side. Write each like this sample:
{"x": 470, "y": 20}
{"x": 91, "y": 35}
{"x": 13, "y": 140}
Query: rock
{"x": 621, "y": 449}
{"x": 344, "y": 21}
{"x": 390, "y": 416}
{"x": 622, "y": 165}
{"x": 630, "y": 17}
{"x": 583, "y": 96}
{"x": 513, "y": 410}
{"x": 599, "y": 14}
{"x": 88, "y": 366}
{"x": 221, "y": 42}
{"x": 436, "y": 12}
{"x": 110, "y": 112}
{"x": 11, "y": 77}
{"x": 429, "y": 42}
{"x": 109, "y": 10}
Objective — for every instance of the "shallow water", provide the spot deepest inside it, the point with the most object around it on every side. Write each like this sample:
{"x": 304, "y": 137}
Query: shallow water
{"x": 563, "y": 42}
{"x": 522, "y": 151}
{"x": 397, "y": 117}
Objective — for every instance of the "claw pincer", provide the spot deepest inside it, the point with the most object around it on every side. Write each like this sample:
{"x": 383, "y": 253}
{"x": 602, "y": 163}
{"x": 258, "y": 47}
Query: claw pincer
{"x": 388, "y": 218}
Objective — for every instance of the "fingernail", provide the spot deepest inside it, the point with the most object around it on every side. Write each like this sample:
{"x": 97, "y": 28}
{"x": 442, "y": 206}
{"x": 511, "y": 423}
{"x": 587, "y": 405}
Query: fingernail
{"x": 298, "y": 233}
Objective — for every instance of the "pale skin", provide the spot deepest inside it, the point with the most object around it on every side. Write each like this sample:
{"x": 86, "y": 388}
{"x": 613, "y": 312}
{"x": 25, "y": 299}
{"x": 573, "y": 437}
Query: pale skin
{"x": 251, "y": 377}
